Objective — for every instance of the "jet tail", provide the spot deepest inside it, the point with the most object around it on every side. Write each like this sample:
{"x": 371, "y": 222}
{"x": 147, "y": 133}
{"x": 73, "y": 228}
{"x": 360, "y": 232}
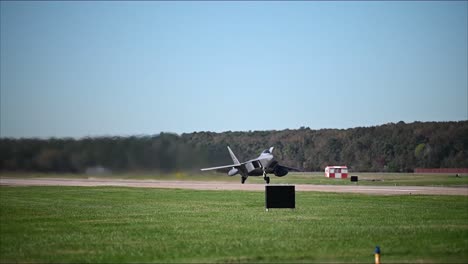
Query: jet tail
{"x": 236, "y": 161}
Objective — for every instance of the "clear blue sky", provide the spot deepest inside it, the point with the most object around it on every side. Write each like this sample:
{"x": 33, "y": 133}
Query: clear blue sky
{"x": 74, "y": 69}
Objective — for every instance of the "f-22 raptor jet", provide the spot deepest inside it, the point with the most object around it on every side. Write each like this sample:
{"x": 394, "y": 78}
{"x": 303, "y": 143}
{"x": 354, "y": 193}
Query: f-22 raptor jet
{"x": 261, "y": 166}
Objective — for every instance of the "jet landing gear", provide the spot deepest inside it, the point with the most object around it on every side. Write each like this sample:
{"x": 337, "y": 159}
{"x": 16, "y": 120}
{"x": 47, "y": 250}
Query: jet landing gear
{"x": 243, "y": 180}
{"x": 266, "y": 178}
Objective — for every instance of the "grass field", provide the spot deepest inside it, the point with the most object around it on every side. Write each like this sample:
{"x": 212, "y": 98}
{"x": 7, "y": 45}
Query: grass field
{"x": 375, "y": 179}
{"x": 109, "y": 224}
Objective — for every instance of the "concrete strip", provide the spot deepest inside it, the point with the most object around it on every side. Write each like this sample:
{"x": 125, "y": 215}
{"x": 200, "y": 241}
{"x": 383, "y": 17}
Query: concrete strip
{"x": 201, "y": 185}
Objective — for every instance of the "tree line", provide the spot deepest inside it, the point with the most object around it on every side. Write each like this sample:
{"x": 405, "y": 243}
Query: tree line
{"x": 393, "y": 147}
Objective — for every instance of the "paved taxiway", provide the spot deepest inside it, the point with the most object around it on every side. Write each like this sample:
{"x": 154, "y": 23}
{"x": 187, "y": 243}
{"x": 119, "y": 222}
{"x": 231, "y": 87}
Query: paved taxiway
{"x": 212, "y": 185}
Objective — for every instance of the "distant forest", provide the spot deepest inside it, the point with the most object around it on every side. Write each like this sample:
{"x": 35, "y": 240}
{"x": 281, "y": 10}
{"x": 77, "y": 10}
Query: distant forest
{"x": 391, "y": 147}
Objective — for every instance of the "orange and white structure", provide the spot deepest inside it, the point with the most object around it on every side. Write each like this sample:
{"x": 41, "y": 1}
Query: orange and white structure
{"x": 338, "y": 172}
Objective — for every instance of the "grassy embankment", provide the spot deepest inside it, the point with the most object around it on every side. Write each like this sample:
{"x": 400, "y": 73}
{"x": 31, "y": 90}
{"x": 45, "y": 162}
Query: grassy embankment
{"x": 108, "y": 224}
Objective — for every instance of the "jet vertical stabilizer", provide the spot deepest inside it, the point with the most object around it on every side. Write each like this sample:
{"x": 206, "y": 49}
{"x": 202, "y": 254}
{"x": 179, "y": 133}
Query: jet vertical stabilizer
{"x": 234, "y": 159}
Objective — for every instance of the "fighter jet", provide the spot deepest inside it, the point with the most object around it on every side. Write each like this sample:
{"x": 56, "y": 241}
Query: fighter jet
{"x": 261, "y": 166}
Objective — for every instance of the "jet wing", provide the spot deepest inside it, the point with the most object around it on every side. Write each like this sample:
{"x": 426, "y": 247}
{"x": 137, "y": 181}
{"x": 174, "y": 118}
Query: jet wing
{"x": 291, "y": 169}
{"x": 222, "y": 168}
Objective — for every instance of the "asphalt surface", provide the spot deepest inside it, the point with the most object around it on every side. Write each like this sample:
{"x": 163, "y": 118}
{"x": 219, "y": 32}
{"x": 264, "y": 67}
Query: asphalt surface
{"x": 211, "y": 185}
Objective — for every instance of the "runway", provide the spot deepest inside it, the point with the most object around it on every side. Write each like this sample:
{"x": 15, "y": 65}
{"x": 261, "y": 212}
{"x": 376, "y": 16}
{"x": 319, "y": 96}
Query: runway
{"x": 229, "y": 186}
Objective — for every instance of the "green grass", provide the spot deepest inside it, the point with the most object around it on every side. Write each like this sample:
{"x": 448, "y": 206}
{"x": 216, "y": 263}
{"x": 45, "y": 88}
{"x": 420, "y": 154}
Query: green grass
{"x": 108, "y": 224}
{"x": 378, "y": 179}
{"x": 375, "y": 179}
